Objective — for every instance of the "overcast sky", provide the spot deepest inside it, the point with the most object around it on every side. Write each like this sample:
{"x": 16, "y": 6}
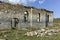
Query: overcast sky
{"x": 53, "y": 5}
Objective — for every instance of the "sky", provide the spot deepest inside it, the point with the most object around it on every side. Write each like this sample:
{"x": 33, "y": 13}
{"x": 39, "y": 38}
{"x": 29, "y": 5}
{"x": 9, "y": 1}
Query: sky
{"x": 53, "y": 5}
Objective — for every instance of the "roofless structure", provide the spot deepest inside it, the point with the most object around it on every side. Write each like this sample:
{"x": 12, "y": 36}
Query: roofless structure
{"x": 12, "y": 16}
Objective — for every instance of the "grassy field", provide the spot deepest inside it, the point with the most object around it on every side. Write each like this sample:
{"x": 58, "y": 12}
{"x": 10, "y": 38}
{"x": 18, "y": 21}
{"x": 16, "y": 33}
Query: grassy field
{"x": 57, "y": 20}
{"x": 19, "y": 34}
{"x": 11, "y": 35}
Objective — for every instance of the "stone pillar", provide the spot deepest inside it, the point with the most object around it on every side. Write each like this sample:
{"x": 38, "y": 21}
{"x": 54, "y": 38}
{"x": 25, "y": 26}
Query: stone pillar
{"x": 31, "y": 18}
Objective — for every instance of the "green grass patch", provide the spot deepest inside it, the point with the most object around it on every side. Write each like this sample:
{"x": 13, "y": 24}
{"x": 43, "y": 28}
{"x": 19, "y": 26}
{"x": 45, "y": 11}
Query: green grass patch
{"x": 11, "y": 35}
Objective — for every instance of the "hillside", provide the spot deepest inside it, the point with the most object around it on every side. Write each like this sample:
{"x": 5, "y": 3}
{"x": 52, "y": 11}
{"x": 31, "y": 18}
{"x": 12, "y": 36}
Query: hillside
{"x": 14, "y": 7}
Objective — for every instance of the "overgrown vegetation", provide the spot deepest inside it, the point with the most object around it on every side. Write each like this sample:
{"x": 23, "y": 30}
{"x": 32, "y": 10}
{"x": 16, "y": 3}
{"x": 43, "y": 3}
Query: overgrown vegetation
{"x": 57, "y": 20}
{"x": 11, "y": 35}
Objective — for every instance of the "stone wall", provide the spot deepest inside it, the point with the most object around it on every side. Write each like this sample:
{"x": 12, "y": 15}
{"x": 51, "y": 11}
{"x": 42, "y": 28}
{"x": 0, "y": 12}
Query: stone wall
{"x": 7, "y": 15}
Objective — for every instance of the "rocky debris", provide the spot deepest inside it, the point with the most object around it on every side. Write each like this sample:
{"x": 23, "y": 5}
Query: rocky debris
{"x": 24, "y": 28}
{"x": 5, "y": 36}
{"x": 42, "y": 32}
{"x": 32, "y": 33}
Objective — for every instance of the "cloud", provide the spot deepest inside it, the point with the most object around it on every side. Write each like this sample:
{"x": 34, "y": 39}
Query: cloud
{"x": 32, "y": 0}
{"x": 41, "y": 1}
{"x": 24, "y": 2}
{"x": 13, "y": 1}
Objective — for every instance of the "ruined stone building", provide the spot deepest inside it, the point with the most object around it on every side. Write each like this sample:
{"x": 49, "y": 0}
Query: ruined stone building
{"x": 12, "y": 16}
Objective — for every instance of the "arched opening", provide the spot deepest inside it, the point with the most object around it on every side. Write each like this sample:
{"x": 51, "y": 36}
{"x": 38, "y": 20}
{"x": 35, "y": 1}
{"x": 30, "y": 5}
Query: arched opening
{"x": 38, "y": 17}
{"x": 26, "y": 16}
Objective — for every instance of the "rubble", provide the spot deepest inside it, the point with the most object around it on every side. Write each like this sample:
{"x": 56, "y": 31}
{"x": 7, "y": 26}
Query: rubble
{"x": 42, "y": 32}
{"x": 24, "y": 28}
{"x": 31, "y": 33}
